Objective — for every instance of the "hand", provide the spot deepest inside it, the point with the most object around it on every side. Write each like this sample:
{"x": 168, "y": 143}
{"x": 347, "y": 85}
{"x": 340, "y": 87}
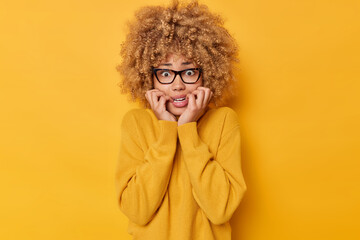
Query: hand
{"x": 198, "y": 101}
{"x": 157, "y": 100}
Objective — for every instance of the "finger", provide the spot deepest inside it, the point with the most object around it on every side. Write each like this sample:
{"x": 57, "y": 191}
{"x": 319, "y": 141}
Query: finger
{"x": 195, "y": 93}
{"x": 155, "y": 96}
{"x": 152, "y": 90}
{"x": 168, "y": 98}
{"x": 206, "y": 97}
{"x": 151, "y": 99}
{"x": 157, "y": 93}
{"x": 148, "y": 98}
{"x": 192, "y": 101}
{"x": 155, "y": 90}
{"x": 149, "y": 92}
{"x": 205, "y": 89}
{"x": 202, "y": 88}
{"x": 162, "y": 101}
{"x": 200, "y": 98}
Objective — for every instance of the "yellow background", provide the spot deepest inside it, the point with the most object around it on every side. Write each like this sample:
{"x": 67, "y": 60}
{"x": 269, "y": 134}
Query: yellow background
{"x": 298, "y": 102}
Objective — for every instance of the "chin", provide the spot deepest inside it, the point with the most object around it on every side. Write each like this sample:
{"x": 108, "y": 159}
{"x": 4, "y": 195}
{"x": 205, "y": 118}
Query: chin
{"x": 176, "y": 111}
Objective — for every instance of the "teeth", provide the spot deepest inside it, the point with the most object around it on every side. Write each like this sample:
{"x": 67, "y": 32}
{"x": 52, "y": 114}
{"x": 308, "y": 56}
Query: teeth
{"x": 179, "y": 99}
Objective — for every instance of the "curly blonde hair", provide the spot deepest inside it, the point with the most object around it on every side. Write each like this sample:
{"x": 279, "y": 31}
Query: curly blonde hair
{"x": 187, "y": 29}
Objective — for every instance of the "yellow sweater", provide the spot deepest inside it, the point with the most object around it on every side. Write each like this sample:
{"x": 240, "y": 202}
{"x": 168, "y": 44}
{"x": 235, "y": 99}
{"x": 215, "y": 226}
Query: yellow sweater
{"x": 180, "y": 182}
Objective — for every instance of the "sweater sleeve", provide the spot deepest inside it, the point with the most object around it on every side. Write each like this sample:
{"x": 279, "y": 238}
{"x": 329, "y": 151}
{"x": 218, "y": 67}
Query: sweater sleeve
{"x": 218, "y": 183}
{"x": 142, "y": 177}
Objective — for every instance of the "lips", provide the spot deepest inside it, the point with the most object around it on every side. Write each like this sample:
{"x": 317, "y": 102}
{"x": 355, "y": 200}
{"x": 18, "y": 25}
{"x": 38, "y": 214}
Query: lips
{"x": 179, "y": 96}
{"x": 180, "y": 101}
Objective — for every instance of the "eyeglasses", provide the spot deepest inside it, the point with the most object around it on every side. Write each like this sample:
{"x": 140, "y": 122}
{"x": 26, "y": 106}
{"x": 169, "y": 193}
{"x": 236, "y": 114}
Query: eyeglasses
{"x": 167, "y": 76}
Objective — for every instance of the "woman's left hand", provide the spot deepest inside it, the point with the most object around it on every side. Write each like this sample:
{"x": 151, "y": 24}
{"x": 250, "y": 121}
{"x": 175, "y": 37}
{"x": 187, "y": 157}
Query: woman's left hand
{"x": 198, "y": 101}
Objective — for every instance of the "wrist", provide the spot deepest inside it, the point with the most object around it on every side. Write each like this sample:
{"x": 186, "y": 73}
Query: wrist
{"x": 167, "y": 117}
{"x": 181, "y": 122}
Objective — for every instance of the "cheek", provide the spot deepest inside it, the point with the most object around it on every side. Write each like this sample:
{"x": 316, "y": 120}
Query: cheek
{"x": 155, "y": 84}
{"x": 161, "y": 87}
{"x": 195, "y": 86}
{"x": 198, "y": 84}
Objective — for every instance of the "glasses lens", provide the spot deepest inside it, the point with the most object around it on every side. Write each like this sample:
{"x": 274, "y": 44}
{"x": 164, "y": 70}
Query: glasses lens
{"x": 190, "y": 75}
{"x": 165, "y": 76}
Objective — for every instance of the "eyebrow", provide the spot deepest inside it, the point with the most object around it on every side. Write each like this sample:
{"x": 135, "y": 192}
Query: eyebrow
{"x": 169, "y": 64}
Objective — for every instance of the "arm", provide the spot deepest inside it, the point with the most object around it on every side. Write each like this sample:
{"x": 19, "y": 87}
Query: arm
{"x": 142, "y": 177}
{"x": 218, "y": 183}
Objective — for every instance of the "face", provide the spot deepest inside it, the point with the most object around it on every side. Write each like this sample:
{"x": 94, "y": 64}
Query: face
{"x": 177, "y": 89}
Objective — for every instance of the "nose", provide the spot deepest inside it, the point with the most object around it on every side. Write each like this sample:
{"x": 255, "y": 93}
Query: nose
{"x": 178, "y": 84}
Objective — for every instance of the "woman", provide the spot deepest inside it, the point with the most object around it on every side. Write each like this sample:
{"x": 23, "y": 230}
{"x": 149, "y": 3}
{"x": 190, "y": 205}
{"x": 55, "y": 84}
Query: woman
{"x": 179, "y": 174}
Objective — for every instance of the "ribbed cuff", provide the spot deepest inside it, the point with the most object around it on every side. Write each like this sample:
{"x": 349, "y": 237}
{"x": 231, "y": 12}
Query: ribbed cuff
{"x": 168, "y": 133}
{"x": 188, "y": 135}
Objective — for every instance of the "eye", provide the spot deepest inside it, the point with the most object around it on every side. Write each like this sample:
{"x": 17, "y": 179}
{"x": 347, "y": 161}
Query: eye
{"x": 189, "y": 72}
{"x": 165, "y": 74}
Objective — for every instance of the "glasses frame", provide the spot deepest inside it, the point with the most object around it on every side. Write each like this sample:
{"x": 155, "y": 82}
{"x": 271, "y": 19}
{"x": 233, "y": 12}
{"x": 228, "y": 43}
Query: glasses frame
{"x": 177, "y": 73}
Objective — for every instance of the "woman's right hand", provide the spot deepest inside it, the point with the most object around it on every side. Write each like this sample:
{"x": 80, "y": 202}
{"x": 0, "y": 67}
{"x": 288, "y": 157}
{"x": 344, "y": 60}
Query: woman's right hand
{"x": 157, "y": 100}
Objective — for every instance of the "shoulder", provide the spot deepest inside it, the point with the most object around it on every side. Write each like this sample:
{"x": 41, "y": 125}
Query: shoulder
{"x": 136, "y": 116}
{"x": 225, "y": 110}
{"x": 226, "y": 114}
{"x": 136, "y": 112}
{"x": 223, "y": 117}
